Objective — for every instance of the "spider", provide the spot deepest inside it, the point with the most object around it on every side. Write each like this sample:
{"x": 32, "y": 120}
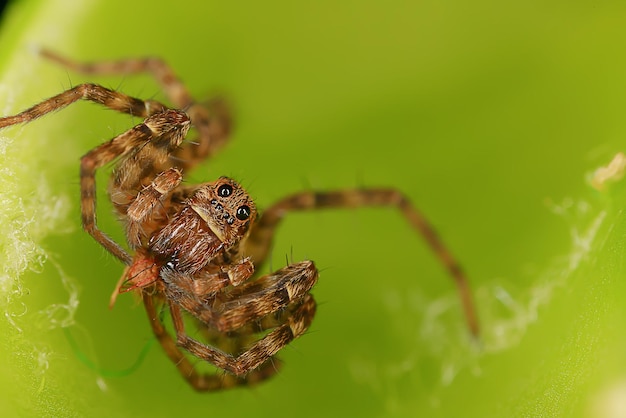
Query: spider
{"x": 195, "y": 248}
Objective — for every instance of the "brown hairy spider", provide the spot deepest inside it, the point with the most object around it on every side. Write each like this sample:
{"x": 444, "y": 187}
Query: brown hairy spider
{"x": 196, "y": 247}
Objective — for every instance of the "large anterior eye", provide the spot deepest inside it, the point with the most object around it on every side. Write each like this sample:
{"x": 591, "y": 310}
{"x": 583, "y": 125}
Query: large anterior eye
{"x": 225, "y": 190}
{"x": 243, "y": 212}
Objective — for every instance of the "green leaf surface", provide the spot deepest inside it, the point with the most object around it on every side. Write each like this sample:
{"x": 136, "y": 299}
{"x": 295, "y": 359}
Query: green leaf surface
{"x": 491, "y": 116}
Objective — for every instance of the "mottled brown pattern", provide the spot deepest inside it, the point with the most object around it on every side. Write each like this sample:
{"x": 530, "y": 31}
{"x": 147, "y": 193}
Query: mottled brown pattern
{"x": 196, "y": 247}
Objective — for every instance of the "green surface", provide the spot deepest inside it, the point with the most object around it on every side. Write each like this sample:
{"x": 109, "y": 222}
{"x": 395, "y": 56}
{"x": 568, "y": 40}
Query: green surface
{"x": 491, "y": 117}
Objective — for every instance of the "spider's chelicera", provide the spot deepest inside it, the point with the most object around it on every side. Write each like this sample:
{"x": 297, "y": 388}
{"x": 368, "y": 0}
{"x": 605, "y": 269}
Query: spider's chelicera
{"x": 195, "y": 248}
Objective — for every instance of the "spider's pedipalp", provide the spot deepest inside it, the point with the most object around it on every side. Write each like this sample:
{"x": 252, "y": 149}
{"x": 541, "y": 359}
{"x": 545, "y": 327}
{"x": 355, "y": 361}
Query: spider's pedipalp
{"x": 141, "y": 219}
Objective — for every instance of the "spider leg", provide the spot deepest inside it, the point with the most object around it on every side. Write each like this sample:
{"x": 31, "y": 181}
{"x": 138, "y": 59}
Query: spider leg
{"x": 173, "y": 87}
{"x": 251, "y": 301}
{"x": 205, "y": 381}
{"x": 90, "y": 92}
{"x": 260, "y": 239}
{"x": 214, "y": 124}
{"x": 256, "y": 355}
{"x": 212, "y": 120}
{"x": 245, "y": 310}
{"x": 141, "y": 148}
{"x": 237, "y": 340}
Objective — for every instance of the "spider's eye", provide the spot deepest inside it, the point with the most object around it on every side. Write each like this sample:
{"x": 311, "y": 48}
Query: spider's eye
{"x": 243, "y": 212}
{"x": 225, "y": 190}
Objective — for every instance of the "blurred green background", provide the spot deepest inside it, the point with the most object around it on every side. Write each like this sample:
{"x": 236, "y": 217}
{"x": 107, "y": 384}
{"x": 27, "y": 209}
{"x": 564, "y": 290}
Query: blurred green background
{"x": 490, "y": 115}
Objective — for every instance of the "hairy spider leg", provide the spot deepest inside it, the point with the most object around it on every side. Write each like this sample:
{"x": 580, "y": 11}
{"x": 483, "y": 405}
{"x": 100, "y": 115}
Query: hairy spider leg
{"x": 259, "y": 242}
{"x": 142, "y": 149}
{"x": 156, "y": 67}
{"x": 288, "y": 313}
{"x": 90, "y": 92}
{"x": 212, "y": 120}
{"x": 246, "y": 304}
{"x": 236, "y": 341}
{"x": 167, "y": 127}
{"x": 202, "y": 382}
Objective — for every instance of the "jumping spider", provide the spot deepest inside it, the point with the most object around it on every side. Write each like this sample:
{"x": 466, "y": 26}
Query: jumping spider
{"x": 196, "y": 247}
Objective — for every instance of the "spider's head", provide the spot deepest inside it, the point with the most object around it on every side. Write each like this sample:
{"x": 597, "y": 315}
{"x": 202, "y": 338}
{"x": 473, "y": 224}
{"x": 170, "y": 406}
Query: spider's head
{"x": 214, "y": 219}
{"x": 226, "y": 208}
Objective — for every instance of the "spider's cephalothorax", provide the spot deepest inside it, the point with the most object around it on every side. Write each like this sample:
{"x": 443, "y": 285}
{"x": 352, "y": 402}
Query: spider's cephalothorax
{"x": 201, "y": 235}
{"x": 212, "y": 221}
{"x": 196, "y": 247}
